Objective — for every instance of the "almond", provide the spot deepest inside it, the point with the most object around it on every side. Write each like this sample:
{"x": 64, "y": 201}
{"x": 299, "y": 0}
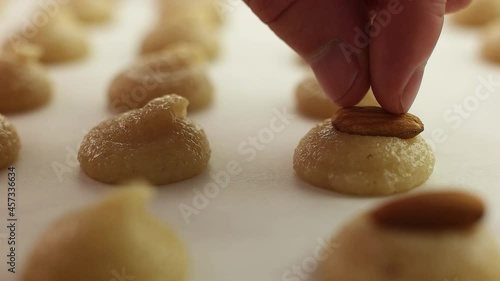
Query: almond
{"x": 374, "y": 121}
{"x": 431, "y": 212}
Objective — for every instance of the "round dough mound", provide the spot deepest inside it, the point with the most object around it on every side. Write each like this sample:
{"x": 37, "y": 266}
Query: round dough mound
{"x": 93, "y": 11}
{"x": 205, "y": 10}
{"x": 155, "y": 143}
{"x": 62, "y": 38}
{"x": 10, "y": 144}
{"x": 362, "y": 165}
{"x": 24, "y": 83}
{"x": 479, "y": 12}
{"x": 491, "y": 42}
{"x": 391, "y": 255}
{"x": 115, "y": 239}
{"x": 313, "y": 102}
{"x": 188, "y": 31}
{"x": 179, "y": 70}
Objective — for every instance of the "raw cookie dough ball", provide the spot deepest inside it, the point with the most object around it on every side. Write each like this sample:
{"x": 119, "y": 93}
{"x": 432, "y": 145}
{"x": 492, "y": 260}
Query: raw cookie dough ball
{"x": 156, "y": 143}
{"x": 24, "y": 83}
{"x": 179, "y": 70}
{"x": 435, "y": 236}
{"x": 191, "y": 31}
{"x": 491, "y": 42}
{"x": 10, "y": 144}
{"x": 62, "y": 38}
{"x": 313, "y": 102}
{"x": 93, "y": 11}
{"x": 115, "y": 238}
{"x": 205, "y": 10}
{"x": 368, "y": 152}
{"x": 479, "y": 12}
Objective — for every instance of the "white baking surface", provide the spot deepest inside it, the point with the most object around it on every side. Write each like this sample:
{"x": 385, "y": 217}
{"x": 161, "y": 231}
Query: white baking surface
{"x": 266, "y": 220}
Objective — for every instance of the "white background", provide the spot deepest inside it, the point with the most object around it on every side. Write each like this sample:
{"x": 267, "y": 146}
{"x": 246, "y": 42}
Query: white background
{"x": 267, "y": 219}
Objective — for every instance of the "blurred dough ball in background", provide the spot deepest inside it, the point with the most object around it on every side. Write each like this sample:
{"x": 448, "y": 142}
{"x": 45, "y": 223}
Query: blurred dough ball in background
{"x": 62, "y": 38}
{"x": 93, "y": 11}
{"x": 193, "y": 31}
{"x": 429, "y": 236}
{"x": 204, "y": 9}
{"x": 491, "y": 42}
{"x": 185, "y": 21}
{"x": 24, "y": 82}
{"x": 116, "y": 235}
{"x": 479, "y": 12}
{"x": 180, "y": 69}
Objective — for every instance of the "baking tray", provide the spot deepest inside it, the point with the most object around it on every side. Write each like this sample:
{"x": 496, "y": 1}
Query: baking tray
{"x": 265, "y": 219}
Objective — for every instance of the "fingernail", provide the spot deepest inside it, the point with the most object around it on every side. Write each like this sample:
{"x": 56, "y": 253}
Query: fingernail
{"x": 336, "y": 71}
{"x": 410, "y": 91}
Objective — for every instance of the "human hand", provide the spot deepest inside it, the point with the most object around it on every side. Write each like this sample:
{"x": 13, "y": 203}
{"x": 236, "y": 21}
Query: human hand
{"x": 348, "y": 55}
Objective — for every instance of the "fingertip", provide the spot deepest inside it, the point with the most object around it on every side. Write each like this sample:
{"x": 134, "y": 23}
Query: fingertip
{"x": 390, "y": 105}
{"x": 270, "y": 10}
{"x": 400, "y": 50}
{"x": 411, "y": 90}
{"x": 344, "y": 78}
{"x": 400, "y": 102}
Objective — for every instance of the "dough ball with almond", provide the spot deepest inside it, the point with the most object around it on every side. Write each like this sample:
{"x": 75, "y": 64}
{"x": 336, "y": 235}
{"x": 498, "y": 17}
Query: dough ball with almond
{"x": 365, "y": 151}
{"x": 24, "y": 82}
{"x": 62, "y": 38}
{"x": 156, "y": 143}
{"x": 10, "y": 144}
{"x": 313, "y": 102}
{"x": 479, "y": 12}
{"x": 112, "y": 240}
{"x": 435, "y": 236}
{"x": 180, "y": 70}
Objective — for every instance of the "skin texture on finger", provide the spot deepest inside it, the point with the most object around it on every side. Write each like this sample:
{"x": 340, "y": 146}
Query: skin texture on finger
{"x": 323, "y": 32}
{"x": 404, "y": 34}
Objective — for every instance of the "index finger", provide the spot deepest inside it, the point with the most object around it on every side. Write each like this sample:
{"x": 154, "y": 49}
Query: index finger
{"x": 322, "y": 32}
